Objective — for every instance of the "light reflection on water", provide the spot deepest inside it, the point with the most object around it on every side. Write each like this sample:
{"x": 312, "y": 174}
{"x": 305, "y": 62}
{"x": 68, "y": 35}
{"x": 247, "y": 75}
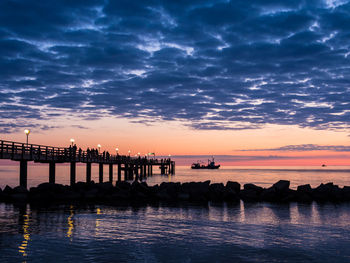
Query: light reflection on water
{"x": 259, "y": 232}
{"x": 70, "y": 222}
{"x": 26, "y": 235}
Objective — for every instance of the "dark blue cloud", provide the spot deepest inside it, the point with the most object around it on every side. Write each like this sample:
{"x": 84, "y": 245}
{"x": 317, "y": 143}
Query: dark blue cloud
{"x": 212, "y": 64}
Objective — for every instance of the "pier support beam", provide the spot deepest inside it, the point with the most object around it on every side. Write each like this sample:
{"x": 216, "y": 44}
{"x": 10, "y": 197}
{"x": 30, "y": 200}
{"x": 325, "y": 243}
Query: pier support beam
{"x": 23, "y": 173}
{"x": 136, "y": 172}
{"x": 72, "y": 172}
{"x": 172, "y": 171}
{"x": 126, "y": 170}
{"x": 52, "y": 172}
{"x": 111, "y": 173}
{"x": 88, "y": 172}
{"x": 119, "y": 172}
{"x": 141, "y": 171}
{"x": 144, "y": 171}
{"x": 100, "y": 173}
{"x": 131, "y": 172}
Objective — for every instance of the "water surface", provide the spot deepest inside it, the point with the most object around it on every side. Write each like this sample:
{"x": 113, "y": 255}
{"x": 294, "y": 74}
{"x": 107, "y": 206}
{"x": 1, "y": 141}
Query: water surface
{"x": 215, "y": 233}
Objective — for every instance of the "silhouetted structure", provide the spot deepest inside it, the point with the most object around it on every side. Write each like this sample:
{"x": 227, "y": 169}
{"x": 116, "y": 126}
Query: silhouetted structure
{"x": 134, "y": 168}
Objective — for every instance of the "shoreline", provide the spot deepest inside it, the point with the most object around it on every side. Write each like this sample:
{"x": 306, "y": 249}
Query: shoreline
{"x": 197, "y": 192}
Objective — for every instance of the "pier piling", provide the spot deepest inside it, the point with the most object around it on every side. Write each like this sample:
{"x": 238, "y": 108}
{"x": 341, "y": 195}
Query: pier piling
{"x": 23, "y": 168}
{"x": 88, "y": 172}
{"x": 52, "y": 172}
{"x": 111, "y": 173}
{"x": 119, "y": 172}
{"x": 100, "y": 172}
{"x": 72, "y": 173}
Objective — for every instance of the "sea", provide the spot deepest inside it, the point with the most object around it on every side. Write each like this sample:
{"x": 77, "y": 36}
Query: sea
{"x": 213, "y": 232}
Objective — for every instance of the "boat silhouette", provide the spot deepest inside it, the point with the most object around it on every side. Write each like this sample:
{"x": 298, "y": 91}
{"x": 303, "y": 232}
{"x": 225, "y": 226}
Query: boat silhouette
{"x": 211, "y": 165}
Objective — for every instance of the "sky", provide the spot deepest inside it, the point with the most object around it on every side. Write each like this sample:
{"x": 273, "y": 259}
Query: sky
{"x": 259, "y": 82}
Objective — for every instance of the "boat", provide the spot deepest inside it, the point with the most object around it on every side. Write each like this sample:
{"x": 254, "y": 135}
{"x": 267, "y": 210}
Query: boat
{"x": 211, "y": 165}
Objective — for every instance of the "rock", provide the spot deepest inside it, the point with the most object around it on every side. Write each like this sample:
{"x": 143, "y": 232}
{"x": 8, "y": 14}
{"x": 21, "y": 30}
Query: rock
{"x": 154, "y": 190}
{"x": 171, "y": 189}
{"x": 249, "y": 195}
{"x": 80, "y": 186}
{"x": 216, "y": 192}
{"x": 253, "y": 187}
{"x": 303, "y": 197}
{"x": 198, "y": 191}
{"x": 105, "y": 187}
{"x": 281, "y": 186}
{"x": 41, "y": 197}
{"x": 230, "y": 195}
{"x": 346, "y": 193}
{"x": 289, "y": 195}
{"x": 20, "y": 190}
{"x": 90, "y": 194}
{"x": 304, "y": 193}
{"x": 140, "y": 190}
{"x": 306, "y": 188}
{"x": 233, "y": 186}
{"x": 123, "y": 185}
{"x": 19, "y": 197}
{"x": 162, "y": 194}
{"x": 121, "y": 194}
{"x": 69, "y": 195}
{"x": 7, "y": 190}
{"x": 183, "y": 196}
{"x": 45, "y": 187}
{"x": 19, "y": 194}
{"x": 270, "y": 194}
{"x": 327, "y": 192}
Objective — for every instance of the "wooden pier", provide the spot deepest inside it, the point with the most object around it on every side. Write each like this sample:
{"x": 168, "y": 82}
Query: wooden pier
{"x": 135, "y": 168}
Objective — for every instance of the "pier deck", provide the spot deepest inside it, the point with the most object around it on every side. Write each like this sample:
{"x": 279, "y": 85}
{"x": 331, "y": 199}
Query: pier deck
{"x": 134, "y": 168}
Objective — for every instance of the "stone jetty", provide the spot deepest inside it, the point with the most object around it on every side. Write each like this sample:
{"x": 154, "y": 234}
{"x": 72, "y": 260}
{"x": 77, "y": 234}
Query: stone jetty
{"x": 124, "y": 191}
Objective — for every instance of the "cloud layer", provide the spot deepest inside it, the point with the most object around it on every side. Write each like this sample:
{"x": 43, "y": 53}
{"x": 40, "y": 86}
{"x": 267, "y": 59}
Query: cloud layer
{"x": 211, "y": 64}
{"x": 306, "y": 148}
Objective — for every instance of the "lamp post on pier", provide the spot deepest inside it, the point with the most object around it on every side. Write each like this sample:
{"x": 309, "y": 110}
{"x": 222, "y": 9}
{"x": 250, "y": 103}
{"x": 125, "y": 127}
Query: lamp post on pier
{"x": 99, "y": 148}
{"x": 117, "y": 150}
{"x": 129, "y": 152}
{"x": 26, "y": 131}
{"x": 72, "y": 141}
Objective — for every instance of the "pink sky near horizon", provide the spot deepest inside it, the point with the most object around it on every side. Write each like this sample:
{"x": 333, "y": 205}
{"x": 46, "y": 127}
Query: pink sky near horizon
{"x": 175, "y": 138}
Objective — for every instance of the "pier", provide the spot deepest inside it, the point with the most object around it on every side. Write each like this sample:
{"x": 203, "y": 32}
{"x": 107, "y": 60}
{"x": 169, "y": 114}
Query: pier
{"x": 134, "y": 168}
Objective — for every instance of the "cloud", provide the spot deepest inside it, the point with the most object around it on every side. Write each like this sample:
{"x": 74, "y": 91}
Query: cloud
{"x": 224, "y": 159}
{"x": 306, "y": 148}
{"x": 210, "y": 64}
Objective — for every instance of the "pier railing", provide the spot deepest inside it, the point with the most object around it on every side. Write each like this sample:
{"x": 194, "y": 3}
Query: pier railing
{"x": 24, "y": 152}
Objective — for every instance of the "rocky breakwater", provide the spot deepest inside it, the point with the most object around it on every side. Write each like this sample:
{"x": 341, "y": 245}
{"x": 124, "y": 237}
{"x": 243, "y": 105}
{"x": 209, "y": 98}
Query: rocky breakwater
{"x": 174, "y": 192}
